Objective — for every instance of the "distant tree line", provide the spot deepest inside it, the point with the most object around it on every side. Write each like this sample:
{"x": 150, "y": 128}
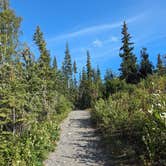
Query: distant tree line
{"x": 92, "y": 87}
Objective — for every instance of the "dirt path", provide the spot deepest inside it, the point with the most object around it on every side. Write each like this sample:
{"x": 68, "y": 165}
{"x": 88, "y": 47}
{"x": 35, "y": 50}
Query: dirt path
{"x": 78, "y": 145}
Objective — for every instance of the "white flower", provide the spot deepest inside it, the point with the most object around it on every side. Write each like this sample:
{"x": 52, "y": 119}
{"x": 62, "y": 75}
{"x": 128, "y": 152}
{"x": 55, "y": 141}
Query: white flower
{"x": 156, "y": 94}
{"x": 150, "y": 111}
{"x": 163, "y": 115}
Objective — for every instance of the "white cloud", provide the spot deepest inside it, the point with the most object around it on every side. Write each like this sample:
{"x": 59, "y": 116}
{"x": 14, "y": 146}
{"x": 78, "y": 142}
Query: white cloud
{"x": 100, "y": 43}
{"x": 94, "y": 29}
{"x": 97, "y": 43}
{"x": 114, "y": 39}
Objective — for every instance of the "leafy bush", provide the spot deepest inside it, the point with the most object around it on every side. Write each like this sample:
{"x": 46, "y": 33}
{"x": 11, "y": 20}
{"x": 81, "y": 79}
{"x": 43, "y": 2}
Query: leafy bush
{"x": 136, "y": 120}
{"x": 62, "y": 105}
{"x": 32, "y": 147}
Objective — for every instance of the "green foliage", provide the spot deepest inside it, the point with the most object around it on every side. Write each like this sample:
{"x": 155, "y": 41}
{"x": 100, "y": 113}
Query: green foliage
{"x": 67, "y": 67}
{"x": 31, "y": 103}
{"x": 128, "y": 66}
{"x": 9, "y": 26}
{"x": 62, "y": 105}
{"x": 115, "y": 85}
{"x": 146, "y": 66}
{"x": 32, "y": 146}
{"x": 75, "y": 72}
{"x": 161, "y": 65}
{"x": 135, "y": 119}
{"x": 55, "y": 66}
{"x": 90, "y": 87}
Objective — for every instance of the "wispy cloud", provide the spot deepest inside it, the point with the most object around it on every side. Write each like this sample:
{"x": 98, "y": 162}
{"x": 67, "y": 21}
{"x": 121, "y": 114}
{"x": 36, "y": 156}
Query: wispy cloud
{"x": 114, "y": 39}
{"x": 94, "y": 29}
{"x": 97, "y": 43}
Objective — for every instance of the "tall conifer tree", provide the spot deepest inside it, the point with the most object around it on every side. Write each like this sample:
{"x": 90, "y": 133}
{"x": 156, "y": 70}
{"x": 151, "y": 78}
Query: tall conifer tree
{"x": 128, "y": 66}
{"x": 161, "y": 67}
{"x": 75, "y": 72}
{"x": 55, "y": 66}
{"x": 89, "y": 67}
{"x": 146, "y": 66}
{"x": 9, "y": 32}
{"x": 44, "y": 70}
{"x": 67, "y": 67}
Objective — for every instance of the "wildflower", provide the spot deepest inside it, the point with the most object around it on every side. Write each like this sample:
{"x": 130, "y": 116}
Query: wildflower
{"x": 156, "y": 94}
{"x": 150, "y": 111}
{"x": 163, "y": 115}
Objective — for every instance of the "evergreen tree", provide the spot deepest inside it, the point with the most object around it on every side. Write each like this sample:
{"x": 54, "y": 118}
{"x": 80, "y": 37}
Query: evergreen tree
{"x": 67, "y": 67}
{"x": 55, "y": 67}
{"x": 9, "y": 32}
{"x": 128, "y": 66}
{"x": 146, "y": 66}
{"x": 75, "y": 72}
{"x": 44, "y": 60}
{"x": 97, "y": 84}
{"x": 87, "y": 91}
{"x": 83, "y": 98}
{"x": 44, "y": 70}
{"x": 159, "y": 64}
{"x": 161, "y": 67}
{"x": 12, "y": 88}
{"x": 89, "y": 68}
{"x": 108, "y": 75}
{"x": 4, "y": 5}
{"x": 56, "y": 77}
{"x": 75, "y": 67}
{"x": 108, "y": 79}
{"x": 98, "y": 73}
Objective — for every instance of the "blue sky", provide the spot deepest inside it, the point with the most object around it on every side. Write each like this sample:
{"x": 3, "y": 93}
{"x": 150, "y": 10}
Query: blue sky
{"x": 94, "y": 25}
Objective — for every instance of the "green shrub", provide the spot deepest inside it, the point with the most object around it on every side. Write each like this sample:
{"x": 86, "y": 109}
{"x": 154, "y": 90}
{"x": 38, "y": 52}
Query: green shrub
{"x": 31, "y": 147}
{"x": 62, "y": 105}
{"x": 136, "y": 119}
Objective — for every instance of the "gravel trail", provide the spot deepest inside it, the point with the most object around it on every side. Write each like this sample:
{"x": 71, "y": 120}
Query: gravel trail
{"x": 79, "y": 143}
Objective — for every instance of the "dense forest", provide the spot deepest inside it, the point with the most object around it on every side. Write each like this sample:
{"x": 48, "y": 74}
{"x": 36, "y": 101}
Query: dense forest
{"x": 129, "y": 109}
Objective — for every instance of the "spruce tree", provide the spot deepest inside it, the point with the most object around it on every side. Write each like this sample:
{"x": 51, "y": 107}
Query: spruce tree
{"x": 4, "y": 5}
{"x": 128, "y": 66}
{"x": 98, "y": 73}
{"x": 9, "y": 32}
{"x": 87, "y": 83}
{"x": 108, "y": 75}
{"x": 75, "y": 72}
{"x": 161, "y": 66}
{"x": 83, "y": 98}
{"x": 108, "y": 81}
{"x": 146, "y": 66}
{"x": 12, "y": 87}
{"x": 97, "y": 84}
{"x": 55, "y": 67}
{"x": 43, "y": 70}
{"x": 44, "y": 60}
{"x": 67, "y": 67}
{"x": 89, "y": 68}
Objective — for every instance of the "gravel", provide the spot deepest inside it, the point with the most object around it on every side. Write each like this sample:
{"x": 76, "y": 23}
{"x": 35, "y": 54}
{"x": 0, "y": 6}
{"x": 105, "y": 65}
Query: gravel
{"x": 79, "y": 143}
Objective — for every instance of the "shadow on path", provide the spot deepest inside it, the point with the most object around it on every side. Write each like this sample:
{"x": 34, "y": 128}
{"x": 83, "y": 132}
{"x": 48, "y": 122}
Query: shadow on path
{"x": 80, "y": 144}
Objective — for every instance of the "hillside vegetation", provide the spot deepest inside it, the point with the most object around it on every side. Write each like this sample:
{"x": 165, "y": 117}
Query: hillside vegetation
{"x": 132, "y": 122}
